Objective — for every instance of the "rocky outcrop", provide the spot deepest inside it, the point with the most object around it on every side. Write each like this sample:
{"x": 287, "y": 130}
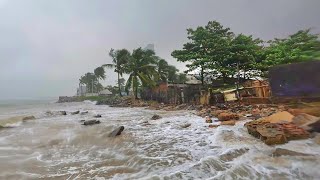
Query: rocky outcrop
{"x": 155, "y": 117}
{"x": 116, "y": 132}
{"x": 91, "y": 122}
{"x": 285, "y": 152}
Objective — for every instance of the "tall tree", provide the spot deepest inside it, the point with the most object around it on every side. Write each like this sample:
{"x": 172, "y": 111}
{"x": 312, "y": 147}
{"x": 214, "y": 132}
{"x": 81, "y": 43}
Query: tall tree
{"x": 141, "y": 69}
{"x": 208, "y": 48}
{"x": 119, "y": 60}
{"x": 100, "y": 73}
{"x": 299, "y": 47}
{"x": 91, "y": 82}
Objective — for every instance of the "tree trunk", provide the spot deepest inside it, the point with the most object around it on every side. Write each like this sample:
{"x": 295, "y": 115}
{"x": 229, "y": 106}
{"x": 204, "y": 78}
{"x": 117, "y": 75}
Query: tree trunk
{"x": 202, "y": 76}
{"x": 119, "y": 88}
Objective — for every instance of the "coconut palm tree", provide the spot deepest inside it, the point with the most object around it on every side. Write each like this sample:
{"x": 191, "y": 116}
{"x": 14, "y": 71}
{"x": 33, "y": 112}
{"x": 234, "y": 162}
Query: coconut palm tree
{"x": 119, "y": 59}
{"x": 163, "y": 70}
{"x": 141, "y": 68}
{"x": 100, "y": 73}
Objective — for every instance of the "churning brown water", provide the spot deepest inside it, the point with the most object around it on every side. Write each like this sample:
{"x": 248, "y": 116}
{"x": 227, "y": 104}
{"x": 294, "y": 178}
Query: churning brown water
{"x": 59, "y": 147}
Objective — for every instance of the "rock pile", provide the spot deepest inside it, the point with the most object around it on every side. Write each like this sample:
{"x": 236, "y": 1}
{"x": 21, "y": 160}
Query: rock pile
{"x": 278, "y": 128}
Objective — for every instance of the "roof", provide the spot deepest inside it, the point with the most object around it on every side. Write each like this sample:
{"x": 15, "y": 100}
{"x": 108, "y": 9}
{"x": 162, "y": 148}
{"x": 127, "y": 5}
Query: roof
{"x": 106, "y": 92}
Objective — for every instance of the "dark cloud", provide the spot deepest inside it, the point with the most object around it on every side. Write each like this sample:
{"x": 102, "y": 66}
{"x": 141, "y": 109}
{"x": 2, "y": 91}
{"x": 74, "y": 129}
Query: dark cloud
{"x": 45, "y": 46}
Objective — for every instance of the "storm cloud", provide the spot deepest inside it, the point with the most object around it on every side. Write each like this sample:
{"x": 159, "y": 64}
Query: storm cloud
{"x": 45, "y": 46}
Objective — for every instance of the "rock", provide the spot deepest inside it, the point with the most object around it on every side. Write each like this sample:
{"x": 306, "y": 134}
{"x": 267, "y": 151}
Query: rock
{"x": 97, "y": 116}
{"x": 304, "y": 119}
{"x": 82, "y": 120}
{"x": 271, "y": 134}
{"x": 314, "y": 127}
{"x": 76, "y": 112}
{"x": 116, "y": 132}
{"x": 28, "y": 118}
{"x": 84, "y": 112}
{"x": 229, "y": 156}
{"x": 221, "y": 106}
{"x": 91, "y": 122}
{"x": 228, "y": 116}
{"x": 279, "y": 117}
{"x": 276, "y": 133}
{"x": 228, "y": 123}
{"x": 285, "y": 152}
{"x": 63, "y": 113}
{"x": 155, "y": 117}
{"x": 208, "y": 119}
{"x": 213, "y": 125}
{"x": 185, "y": 125}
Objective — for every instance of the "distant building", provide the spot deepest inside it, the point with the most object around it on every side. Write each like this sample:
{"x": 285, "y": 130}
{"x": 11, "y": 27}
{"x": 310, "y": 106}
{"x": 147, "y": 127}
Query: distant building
{"x": 105, "y": 92}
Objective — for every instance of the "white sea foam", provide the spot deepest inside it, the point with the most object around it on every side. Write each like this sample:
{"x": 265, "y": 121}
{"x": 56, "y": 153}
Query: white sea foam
{"x": 60, "y": 147}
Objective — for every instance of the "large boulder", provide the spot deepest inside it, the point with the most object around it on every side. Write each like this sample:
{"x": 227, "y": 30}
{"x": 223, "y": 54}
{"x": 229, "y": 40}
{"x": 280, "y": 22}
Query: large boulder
{"x": 228, "y": 116}
{"x": 116, "y": 132}
{"x": 155, "y": 117}
{"x": 91, "y": 122}
{"x": 285, "y": 152}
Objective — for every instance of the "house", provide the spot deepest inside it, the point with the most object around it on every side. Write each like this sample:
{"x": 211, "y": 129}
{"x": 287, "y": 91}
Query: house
{"x": 105, "y": 92}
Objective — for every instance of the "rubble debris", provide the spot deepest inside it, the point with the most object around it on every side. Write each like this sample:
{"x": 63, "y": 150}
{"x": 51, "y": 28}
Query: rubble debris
{"x": 279, "y": 117}
{"x": 275, "y": 133}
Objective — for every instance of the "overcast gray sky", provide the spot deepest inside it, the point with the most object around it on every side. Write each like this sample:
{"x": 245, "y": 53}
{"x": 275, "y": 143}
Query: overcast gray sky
{"x": 46, "y": 45}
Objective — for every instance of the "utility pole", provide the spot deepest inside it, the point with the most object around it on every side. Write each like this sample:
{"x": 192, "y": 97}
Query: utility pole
{"x": 92, "y": 86}
{"x": 238, "y": 82}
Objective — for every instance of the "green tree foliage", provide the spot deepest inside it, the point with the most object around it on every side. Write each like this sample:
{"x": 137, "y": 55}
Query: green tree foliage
{"x": 215, "y": 50}
{"x": 141, "y": 68}
{"x": 100, "y": 73}
{"x": 119, "y": 59}
{"x": 91, "y": 82}
{"x": 299, "y": 47}
{"x": 207, "y": 49}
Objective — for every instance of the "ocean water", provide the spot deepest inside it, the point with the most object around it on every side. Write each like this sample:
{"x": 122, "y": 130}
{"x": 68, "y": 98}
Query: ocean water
{"x": 59, "y": 147}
